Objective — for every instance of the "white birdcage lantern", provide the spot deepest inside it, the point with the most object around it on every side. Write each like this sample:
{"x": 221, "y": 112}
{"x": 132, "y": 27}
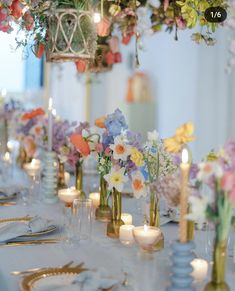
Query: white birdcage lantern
{"x": 71, "y": 35}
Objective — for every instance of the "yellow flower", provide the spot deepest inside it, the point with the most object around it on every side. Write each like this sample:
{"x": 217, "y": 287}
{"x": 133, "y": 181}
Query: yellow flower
{"x": 183, "y": 135}
{"x": 137, "y": 157}
{"x": 212, "y": 156}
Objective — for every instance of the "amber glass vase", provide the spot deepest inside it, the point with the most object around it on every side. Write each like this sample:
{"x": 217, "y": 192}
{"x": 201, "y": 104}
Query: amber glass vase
{"x": 115, "y": 223}
{"x": 154, "y": 219}
{"x": 79, "y": 179}
{"x": 61, "y": 176}
{"x": 103, "y": 212}
{"x": 218, "y": 270}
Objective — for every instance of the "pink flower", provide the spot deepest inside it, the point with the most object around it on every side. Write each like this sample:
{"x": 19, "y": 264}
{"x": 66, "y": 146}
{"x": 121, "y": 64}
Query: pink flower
{"x": 114, "y": 44}
{"x": 99, "y": 147}
{"x": 166, "y": 4}
{"x": 181, "y": 23}
{"x": 232, "y": 196}
{"x": 228, "y": 182}
{"x": 107, "y": 151}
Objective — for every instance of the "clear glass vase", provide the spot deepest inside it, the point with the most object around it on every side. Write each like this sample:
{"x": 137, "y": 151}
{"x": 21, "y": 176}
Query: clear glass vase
{"x": 218, "y": 270}
{"x": 154, "y": 218}
{"x": 103, "y": 212}
{"x": 116, "y": 221}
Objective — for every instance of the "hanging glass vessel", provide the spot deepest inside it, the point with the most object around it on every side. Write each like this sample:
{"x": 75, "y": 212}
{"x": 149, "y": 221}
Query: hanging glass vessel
{"x": 116, "y": 221}
{"x": 103, "y": 212}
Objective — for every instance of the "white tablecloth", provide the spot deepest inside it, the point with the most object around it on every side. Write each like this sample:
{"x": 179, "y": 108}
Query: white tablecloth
{"x": 146, "y": 273}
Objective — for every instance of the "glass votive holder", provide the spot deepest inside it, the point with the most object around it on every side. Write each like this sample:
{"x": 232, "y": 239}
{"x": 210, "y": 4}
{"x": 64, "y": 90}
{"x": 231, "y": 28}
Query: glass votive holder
{"x": 146, "y": 237}
{"x": 82, "y": 219}
{"x": 200, "y": 269}
{"x": 95, "y": 197}
{"x": 67, "y": 196}
{"x": 126, "y": 234}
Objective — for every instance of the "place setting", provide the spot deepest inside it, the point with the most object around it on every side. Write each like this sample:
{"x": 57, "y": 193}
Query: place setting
{"x": 17, "y": 231}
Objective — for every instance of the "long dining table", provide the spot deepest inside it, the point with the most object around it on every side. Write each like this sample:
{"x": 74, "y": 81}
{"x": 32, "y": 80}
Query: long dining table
{"x": 145, "y": 272}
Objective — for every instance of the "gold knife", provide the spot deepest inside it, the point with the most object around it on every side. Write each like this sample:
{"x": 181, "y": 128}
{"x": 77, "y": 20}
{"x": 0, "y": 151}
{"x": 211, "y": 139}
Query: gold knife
{"x": 7, "y": 203}
{"x": 29, "y": 242}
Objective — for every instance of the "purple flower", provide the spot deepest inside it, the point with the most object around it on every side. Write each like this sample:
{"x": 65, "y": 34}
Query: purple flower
{"x": 134, "y": 139}
{"x": 115, "y": 123}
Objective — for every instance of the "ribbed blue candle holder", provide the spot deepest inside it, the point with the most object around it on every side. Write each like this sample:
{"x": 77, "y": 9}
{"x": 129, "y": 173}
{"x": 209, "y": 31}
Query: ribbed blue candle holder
{"x": 49, "y": 186}
{"x": 181, "y": 269}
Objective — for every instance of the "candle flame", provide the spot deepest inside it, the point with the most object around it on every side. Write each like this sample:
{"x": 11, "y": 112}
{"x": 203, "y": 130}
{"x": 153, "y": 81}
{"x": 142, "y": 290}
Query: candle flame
{"x": 4, "y": 92}
{"x": 185, "y": 156}
{"x": 50, "y": 104}
{"x": 54, "y": 112}
{"x": 7, "y": 156}
{"x": 96, "y": 17}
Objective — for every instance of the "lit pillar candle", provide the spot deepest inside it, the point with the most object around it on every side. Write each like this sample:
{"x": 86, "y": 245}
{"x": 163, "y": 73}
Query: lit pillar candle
{"x": 95, "y": 198}
{"x": 68, "y": 195}
{"x": 66, "y": 178}
{"x": 126, "y": 234}
{"x": 33, "y": 168}
{"x": 50, "y": 124}
{"x": 200, "y": 269}
{"x": 126, "y": 218}
{"x": 146, "y": 236}
{"x": 185, "y": 167}
{"x": 7, "y": 157}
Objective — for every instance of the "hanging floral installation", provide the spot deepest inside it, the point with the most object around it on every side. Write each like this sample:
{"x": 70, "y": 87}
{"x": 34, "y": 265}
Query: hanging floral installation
{"x": 87, "y": 31}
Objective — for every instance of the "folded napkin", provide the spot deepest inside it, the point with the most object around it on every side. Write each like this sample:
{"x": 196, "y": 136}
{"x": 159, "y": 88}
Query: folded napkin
{"x": 18, "y": 228}
{"x": 7, "y": 191}
{"x": 85, "y": 281}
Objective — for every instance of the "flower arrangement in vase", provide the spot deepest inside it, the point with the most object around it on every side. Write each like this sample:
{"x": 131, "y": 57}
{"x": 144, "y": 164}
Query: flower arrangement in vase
{"x": 30, "y": 133}
{"x": 216, "y": 206}
{"x": 83, "y": 140}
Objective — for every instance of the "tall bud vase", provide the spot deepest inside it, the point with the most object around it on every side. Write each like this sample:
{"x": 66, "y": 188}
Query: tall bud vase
{"x": 154, "y": 219}
{"x": 103, "y": 212}
{"x": 115, "y": 223}
{"x": 61, "y": 176}
{"x": 218, "y": 270}
{"x": 22, "y": 157}
{"x": 79, "y": 179}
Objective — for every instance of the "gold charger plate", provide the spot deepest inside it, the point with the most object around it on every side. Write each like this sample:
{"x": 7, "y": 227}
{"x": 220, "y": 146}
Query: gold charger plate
{"x": 27, "y": 219}
{"x": 28, "y": 282}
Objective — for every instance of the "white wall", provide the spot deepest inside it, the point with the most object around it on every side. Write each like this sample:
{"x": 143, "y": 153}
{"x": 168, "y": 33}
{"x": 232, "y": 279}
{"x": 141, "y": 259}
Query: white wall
{"x": 189, "y": 83}
{"x": 11, "y": 64}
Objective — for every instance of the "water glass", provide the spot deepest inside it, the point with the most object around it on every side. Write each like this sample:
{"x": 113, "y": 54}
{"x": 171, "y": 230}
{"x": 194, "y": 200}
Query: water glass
{"x": 82, "y": 219}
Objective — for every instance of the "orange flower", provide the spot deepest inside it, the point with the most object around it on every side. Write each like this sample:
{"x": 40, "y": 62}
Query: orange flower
{"x": 80, "y": 144}
{"x": 99, "y": 122}
{"x": 32, "y": 114}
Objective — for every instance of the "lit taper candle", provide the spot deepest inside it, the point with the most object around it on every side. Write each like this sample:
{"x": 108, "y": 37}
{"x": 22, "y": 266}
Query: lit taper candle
{"x": 185, "y": 167}
{"x": 50, "y": 124}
